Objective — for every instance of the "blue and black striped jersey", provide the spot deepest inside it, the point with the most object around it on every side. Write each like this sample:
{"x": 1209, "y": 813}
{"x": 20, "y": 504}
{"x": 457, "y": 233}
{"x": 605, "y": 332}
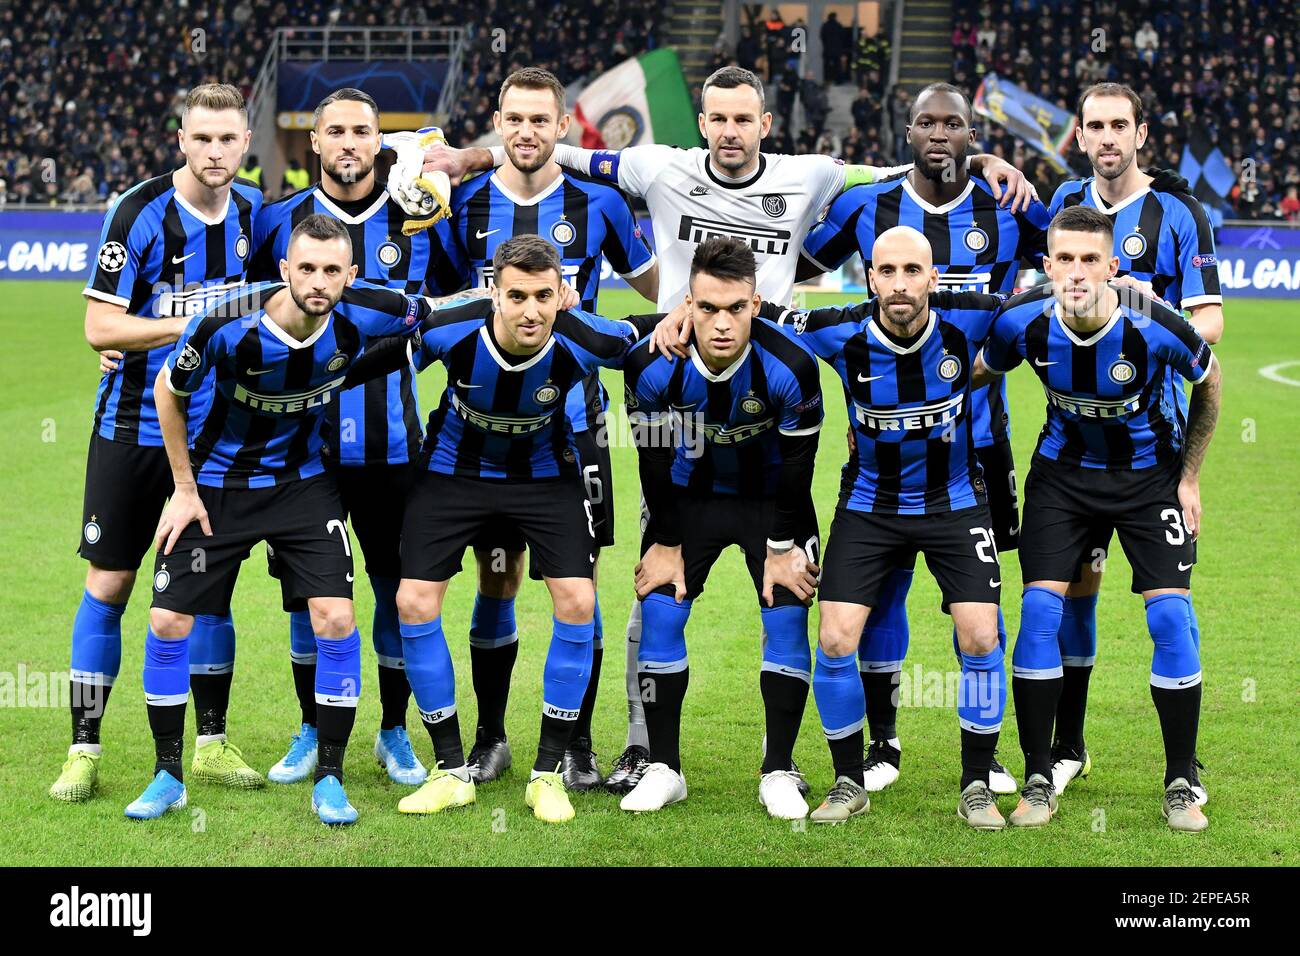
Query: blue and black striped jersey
{"x": 497, "y": 418}
{"x": 908, "y": 402}
{"x": 1110, "y": 399}
{"x": 270, "y": 391}
{"x": 728, "y": 422}
{"x": 584, "y": 218}
{"x": 377, "y": 422}
{"x": 977, "y": 246}
{"x": 159, "y": 257}
{"x": 1160, "y": 237}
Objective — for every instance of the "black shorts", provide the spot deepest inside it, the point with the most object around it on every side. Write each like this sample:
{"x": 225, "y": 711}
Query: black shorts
{"x": 374, "y": 498}
{"x": 301, "y": 521}
{"x": 864, "y": 547}
{"x": 597, "y": 487}
{"x": 1065, "y": 506}
{"x": 127, "y": 487}
{"x": 712, "y": 523}
{"x": 999, "y": 469}
{"x": 446, "y": 513}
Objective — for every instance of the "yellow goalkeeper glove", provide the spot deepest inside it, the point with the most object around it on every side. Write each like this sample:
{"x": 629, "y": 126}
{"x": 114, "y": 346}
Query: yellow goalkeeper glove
{"x": 424, "y": 197}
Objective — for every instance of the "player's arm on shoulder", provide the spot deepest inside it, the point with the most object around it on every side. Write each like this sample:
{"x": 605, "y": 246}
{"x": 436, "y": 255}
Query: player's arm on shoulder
{"x": 1202, "y": 294}
{"x": 600, "y": 342}
{"x": 1002, "y": 351}
{"x": 1011, "y": 188}
{"x": 831, "y": 242}
{"x": 633, "y": 169}
{"x": 822, "y": 331}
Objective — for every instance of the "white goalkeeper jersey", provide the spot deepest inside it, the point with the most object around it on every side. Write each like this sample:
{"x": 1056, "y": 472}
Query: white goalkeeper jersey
{"x": 690, "y": 201}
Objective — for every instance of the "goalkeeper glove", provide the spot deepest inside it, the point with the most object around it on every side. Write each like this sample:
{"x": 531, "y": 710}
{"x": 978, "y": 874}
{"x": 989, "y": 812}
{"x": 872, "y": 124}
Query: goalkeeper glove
{"x": 424, "y": 197}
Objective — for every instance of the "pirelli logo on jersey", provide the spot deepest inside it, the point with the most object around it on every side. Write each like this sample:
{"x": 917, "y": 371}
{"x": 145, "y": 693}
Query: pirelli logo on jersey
{"x": 716, "y": 434}
{"x": 965, "y": 281}
{"x": 763, "y": 240}
{"x": 915, "y": 418}
{"x": 501, "y": 424}
{"x": 196, "y": 299}
{"x": 1095, "y": 407}
{"x": 288, "y": 403}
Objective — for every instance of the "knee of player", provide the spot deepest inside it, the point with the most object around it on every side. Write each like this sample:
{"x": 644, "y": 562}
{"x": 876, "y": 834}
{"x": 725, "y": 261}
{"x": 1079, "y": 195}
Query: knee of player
{"x": 111, "y": 587}
{"x": 575, "y": 603}
{"x": 836, "y": 642}
{"x": 500, "y": 572}
{"x": 332, "y": 619}
{"x": 978, "y": 640}
{"x": 416, "y": 602}
{"x": 170, "y": 625}
{"x": 1169, "y": 618}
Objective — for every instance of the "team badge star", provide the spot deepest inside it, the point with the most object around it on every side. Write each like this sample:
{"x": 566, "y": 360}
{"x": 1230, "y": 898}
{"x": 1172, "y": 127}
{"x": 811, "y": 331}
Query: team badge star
{"x": 94, "y": 517}
{"x": 164, "y": 566}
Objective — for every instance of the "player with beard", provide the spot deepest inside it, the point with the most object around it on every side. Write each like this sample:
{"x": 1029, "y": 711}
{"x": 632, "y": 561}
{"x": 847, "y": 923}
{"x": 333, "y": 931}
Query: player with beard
{"x": 588, "y": 221}
{"x": 768, "y": 201}
{"x": 1165, "y": 247}
{"x": 1115, "y": 449}
{"x": 169, "y": 246}
{"x": 372, "y": 433}
{"x": 978, "y": 247}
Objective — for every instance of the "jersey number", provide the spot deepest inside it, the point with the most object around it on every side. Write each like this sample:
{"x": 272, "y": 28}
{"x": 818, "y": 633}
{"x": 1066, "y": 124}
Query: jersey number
{"x": 984, "y": 548}
{"x": 1177, "y": 533}
{"x": 595, "y": 487}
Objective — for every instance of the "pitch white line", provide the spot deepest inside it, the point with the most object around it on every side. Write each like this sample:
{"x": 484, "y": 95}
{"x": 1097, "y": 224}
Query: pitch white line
{"x": 1274, "y": 373}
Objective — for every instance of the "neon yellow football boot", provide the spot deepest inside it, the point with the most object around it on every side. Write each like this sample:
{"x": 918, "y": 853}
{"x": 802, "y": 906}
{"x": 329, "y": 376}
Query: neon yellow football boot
{"x": 548, "y": 799}
{"x": 220, "y": 762}
{"x": 79, "y": 778}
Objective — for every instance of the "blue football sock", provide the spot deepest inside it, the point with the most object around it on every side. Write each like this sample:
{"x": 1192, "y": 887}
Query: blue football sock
{"x": 338, "y": 670}
{"x": 567, "y": 669}
{"x": 429, "y": 669}
{"x": 983, "y": 698}
{"x": 212, "y": 644}
{"x": 886, "y": 637}
{"x": 1078, "y": 634}
{"x": 97, "y": 641}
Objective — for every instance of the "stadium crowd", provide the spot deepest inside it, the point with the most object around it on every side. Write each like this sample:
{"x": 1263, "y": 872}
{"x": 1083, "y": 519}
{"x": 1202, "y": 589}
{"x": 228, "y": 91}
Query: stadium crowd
{"x": 90, "y": 103}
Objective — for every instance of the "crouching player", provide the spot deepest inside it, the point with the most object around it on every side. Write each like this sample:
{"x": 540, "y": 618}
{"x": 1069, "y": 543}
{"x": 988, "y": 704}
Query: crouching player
{"x": 279, "y": 354}
{"x": 914, "y": 483}
{"x": 1115, "y": 449}
{"x": 744, "y": 414}
{"x": 496, "y": 451}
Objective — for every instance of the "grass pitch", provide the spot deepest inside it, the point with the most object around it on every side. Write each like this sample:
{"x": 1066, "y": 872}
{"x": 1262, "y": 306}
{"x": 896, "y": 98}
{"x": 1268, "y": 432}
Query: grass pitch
{"x": 1245, "y": 596}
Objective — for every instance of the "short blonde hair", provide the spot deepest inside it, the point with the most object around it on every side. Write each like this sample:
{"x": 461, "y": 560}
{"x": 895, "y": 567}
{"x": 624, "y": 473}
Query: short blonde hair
{"x": 214, "y": 96}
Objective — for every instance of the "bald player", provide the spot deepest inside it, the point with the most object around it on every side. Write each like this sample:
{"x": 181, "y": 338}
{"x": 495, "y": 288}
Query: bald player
{"x": 913, "y": 483}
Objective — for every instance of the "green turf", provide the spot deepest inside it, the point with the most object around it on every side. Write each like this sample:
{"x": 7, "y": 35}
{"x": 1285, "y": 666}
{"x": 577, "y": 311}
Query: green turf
{"x": 1245, "y": 589}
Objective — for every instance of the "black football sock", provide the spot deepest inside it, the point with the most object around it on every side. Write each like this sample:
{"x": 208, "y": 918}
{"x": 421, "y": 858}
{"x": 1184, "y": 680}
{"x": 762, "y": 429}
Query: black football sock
{"x": 977, "y": 756}
{"x": 1072, "y": 707}
{"x": 490, "y": 668}
{"x": 1035, "y": 707}
{"x": 1180, "y": 713}
{"x": 552, "y": 743}
{"x": 168, "y": 727}
{"x": 87, "y": 704}
{"x": 784, "y": 698}
{"x": 662, "y": 697}
{"x": 333, "y": 728}
{"x": 394, "y": 697}
{"x": 211, "y": 701}
{"x": 448, "y": 751}
{"x": 882, "y": 710}
{"x": 304, "y": 685}
{"x": 846, "y": 756}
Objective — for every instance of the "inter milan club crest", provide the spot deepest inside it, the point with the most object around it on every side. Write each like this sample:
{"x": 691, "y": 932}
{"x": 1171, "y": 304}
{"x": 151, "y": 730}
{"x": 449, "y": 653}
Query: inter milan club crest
{"x": 949, "y": 368}
{"x": 1134, "y": 245}
{"x": 1122, "y": 371}
{"x": 241, "y": 247}
{"x": 389, "y": 254}
{"x": 112, "y": 256}
{"x": 774, "y": 205}
{"x": 563, "y": 233}
{"x": 976, "y": 239}
{"x": 751, "y": 405}
{"x": 162, "y": 579}
{"x": 92, "y": 531}
{"x": 337, "y": 362}
{"x": 546, "y": 395}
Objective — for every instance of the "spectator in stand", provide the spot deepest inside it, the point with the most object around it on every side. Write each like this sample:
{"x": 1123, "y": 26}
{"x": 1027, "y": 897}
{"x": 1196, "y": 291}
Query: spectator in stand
{"x": 1147, "y": 41}
{"x": 1290, "y": 205}
{"x": 964, "y": 36}
{"x": 816, "y": 105}
{"x": 787, "y": 89}
{"x": 835, "y": 38}
{"x": 777, "y": 41}
{"x": 866, "y": 111}
{"x": 900, "y": 105}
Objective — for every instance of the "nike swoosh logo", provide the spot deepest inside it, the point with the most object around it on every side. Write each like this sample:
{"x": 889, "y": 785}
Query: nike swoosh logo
{"x": 460, "y": 384}
{"x": 215, "y": 670}
{"x": 994, "y": 584}
{"x": 871, "y": 378}
{"x": 1042, "y": 364}
{"x": 336, "y": 700}
{"x": 257, "y": 371}
{"x": 480, "y": 234}
{"x": 349, "y": 577}
{"x": 1185, "y": 567}
{"x": 1184, "y": 683}
{"x": 177, "y": 260}
{"x": 150, "y": 699}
